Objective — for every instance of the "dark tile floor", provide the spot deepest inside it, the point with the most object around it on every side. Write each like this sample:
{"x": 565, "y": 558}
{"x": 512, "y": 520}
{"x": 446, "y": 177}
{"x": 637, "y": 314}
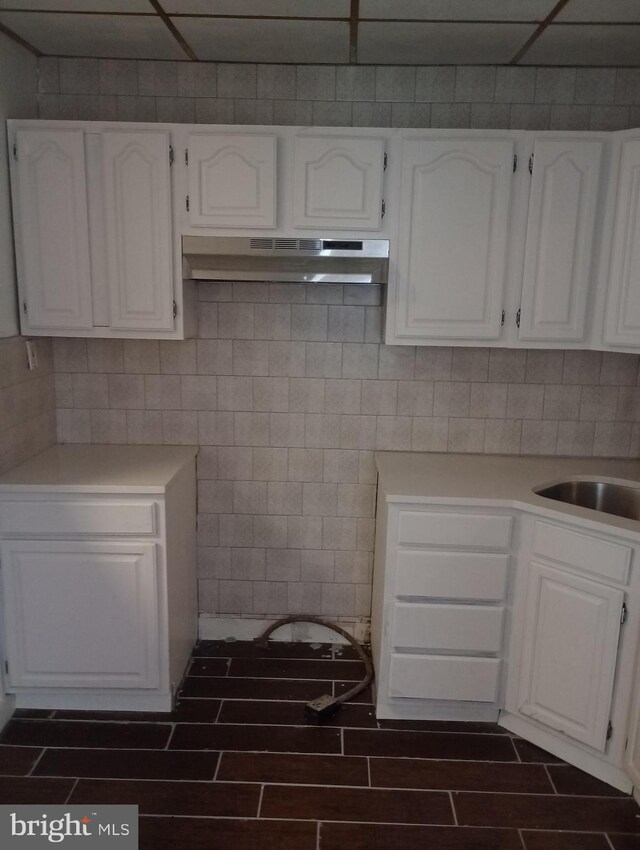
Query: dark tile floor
{"x": 235, "y": 768}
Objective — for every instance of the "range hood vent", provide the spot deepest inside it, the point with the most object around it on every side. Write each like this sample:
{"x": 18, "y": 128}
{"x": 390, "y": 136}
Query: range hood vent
{"x": 288, "y": 260}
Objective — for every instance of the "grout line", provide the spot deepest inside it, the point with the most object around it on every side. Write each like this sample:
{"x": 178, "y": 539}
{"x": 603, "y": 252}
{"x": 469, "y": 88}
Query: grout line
{"x": 37, "y": 761}
{"x": 522, "y": 841}
{"x": 369, "y": 771}
{"x": 342, "y": 740}
{"x": 171, "y": 734}
{"x": 318, "y": 839}
{"x": 217, "y": 770}
{"x": 453, "y": 809}
{"x": 73, "y": 788}
{"x": 553, "y": 785}
{"x": 219, "y": 711}
{"x": 260, "y": 800}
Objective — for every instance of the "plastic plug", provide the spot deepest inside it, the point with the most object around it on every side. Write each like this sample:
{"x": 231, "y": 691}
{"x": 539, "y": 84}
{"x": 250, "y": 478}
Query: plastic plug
{"x": 321, "y": 709}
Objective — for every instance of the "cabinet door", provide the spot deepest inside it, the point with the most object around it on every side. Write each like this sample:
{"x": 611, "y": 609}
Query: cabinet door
{"x": 622, "y": 313}
{"x": 560, "y": 238}
{"x": 232, "y": 180}
{"x": 570, "y": 645}
{"x": 138, "y": 230}
{"x": 52, "y": 236}
{"x": 80, "y": 615}
{"x": 338, "y": 182}
{"x": 452, "y": 249}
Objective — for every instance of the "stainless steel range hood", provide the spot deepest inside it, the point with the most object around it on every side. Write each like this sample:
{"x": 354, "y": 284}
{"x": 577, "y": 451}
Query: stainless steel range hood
{"x": 285, "y": 260}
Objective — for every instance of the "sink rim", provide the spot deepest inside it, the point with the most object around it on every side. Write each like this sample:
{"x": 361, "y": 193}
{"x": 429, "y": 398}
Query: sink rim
{"x": 616, "y": 484}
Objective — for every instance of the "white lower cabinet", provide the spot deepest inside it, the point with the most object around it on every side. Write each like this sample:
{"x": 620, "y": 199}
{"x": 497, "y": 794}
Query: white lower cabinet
{"x": 439, "y": 613}
{"x": 81, "y": 614}
{"x": 546, "y": 648}
{"x": 571, "y": 632}
{"x": 99, "y": 606}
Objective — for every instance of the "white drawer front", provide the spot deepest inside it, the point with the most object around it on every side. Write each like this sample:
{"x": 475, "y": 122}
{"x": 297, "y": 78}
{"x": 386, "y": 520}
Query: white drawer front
{"x": 77, "y": 517}
{"x": 446, "y": 677}
{"x": 582, "y": 551}
{"x": 476, "y": 628}
{"x": 428, "y": 528}
{"x": 451, "y": 575}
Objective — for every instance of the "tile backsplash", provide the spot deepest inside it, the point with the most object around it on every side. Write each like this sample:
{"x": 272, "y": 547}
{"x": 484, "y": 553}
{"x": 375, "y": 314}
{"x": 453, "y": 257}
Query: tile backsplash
{"x": 27, "y": 402}
{"x": 363, "y": 96}
{"x": 288, "y": 391}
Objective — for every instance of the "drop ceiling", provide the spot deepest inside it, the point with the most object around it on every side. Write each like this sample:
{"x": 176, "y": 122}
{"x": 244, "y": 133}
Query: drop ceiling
{"x": 412, "y": 32}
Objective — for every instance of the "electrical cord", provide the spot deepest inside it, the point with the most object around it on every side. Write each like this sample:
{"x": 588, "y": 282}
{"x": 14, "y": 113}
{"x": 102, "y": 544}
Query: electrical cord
{"x": 326, "y": 705}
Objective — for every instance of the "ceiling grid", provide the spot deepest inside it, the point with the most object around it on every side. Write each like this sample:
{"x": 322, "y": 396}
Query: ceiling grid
{"x": 343, "y": 32}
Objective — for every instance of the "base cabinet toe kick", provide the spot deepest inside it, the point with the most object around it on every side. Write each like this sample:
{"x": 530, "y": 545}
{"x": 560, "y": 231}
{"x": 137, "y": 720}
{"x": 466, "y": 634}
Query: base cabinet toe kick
{"x": 527, "y": 618}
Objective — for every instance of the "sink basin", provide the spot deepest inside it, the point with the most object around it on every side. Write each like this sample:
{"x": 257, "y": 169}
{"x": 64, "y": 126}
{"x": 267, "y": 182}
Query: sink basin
{"x": 597, "y": 495}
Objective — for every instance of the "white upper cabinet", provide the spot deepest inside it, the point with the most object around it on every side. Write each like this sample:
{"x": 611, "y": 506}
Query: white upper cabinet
{"x": 137, "y": 208}
{"x": 338, "y": 182}
{"x": 570, "y": 645}
{"x": 232, "y": 180}
{"x": 452, "y": 245}
{"x": 51, "y": 229}
{"x": 560, "y": 240}
{"x": 622, "y": 312}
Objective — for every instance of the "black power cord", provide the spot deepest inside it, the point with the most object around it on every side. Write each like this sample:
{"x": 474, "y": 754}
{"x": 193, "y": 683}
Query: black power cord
{"x": 326, "y": 705}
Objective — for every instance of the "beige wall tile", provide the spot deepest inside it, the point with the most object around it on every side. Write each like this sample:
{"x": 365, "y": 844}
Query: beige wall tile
{"x": 250, "y": 357}
{"x": 575, "y": 438}
{"x": 287, "y": 429}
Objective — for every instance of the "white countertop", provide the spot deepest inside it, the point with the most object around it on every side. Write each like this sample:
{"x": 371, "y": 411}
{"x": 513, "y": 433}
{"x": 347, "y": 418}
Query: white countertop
{"x": 500, "y": 480}
{"x": 98, "y": 469}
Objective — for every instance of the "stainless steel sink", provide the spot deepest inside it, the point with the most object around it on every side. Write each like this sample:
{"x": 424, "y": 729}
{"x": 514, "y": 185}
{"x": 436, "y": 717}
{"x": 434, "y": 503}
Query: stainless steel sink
{"x": 597, "y": 495}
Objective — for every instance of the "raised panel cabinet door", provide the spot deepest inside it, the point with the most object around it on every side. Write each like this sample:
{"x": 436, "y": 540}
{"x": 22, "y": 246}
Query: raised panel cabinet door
{"x": 570, "y": 645}
{"x": 622, "y": 312}
{"x": 80, "y": 615}
{"x": 338, "y": 182}
{"x": 137, "y": 197}
{"x": 560, "y": 238}
{"x": 232, "y": 180}
{"x": 52, "y": 236}
{"x": 452, "y": 249}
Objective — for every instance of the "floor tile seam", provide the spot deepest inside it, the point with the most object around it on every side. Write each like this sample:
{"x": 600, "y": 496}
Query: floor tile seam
{"x": 36, "y": 762}
{"x": 522, "y": 841}
{"x": 260, "y": 799}
{"x": 334, "y": 785}
{"x": 453, "y": 808}
{"x": 172, "y": 732}
{"x": 70, "y": 794}
{"x": 548, "y": 772}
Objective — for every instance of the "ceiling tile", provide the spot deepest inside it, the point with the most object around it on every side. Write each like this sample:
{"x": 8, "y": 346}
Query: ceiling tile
{"x": 237, "y": 40}
{"x": 286, "y": 8}
{"x": 440, "y": 44}
{"x": 585, "y": 44}
{"x": 109, "y": 36}
{"x": 619, "y": 11}
{"x": 79, "y": 5}
{"x": 458, "y": 10}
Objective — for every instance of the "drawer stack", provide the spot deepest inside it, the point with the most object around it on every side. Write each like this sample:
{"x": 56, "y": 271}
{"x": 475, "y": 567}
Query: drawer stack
{"x": 447, "y": 614}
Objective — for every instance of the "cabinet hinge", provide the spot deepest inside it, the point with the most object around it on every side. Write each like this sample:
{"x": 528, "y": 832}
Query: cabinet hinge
{"x": 24, "y": 307}
{"x": 6, "y": 667}
{"x": 515, "y": 161}
{"x": 623, "y": 614}
{"x": 502, "y": 320}
{"x": 385, "y": 162}
{"x": 186, "y": 156}
{"x": 531, "y": 164}
{"x": 384, "y": 209}
{"x": 187, "y": 203}
{"x": 175, "y": 309}
{"x": 518, "y": 319}
{"x": 609, "y": 730}
{"x": 170, "y": 154}
{"x": 15, "y": 151}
